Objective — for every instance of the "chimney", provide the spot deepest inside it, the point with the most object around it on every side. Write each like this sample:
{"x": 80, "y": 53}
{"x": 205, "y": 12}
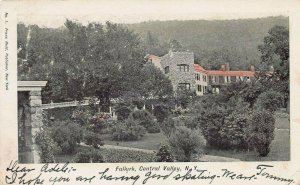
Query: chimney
{"x": 227, "y": 68}
{"x": 252, "y": 68}
{"x": 223, "y": 68}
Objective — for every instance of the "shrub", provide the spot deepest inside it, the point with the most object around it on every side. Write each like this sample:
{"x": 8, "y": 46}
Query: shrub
{"x": 269, "y": 100}
{"x": 154, "y": 128}
{"x": 233, "y": 131}
{"x": 98, "y": 122}
{"x": 185, "y": 142}
{"x": 128, "y": 131}
{"x": 164, "y": 154}
{"x": 184, "y": 97}
{"x": 260, "y": 131}
{"x": 93, "y": 139}
{"x": 211, "y": 122}
{"x": 89, "y": 156}
{"x": 161, "y": 112}
{"x": 67, "y": 135}
{"x": 123, "y": 113}
{"x": 143, "y": 118}
{"x": 47, "y": 147}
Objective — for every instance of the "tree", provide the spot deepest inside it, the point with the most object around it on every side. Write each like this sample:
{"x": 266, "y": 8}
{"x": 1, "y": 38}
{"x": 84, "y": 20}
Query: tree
{"x": 153, "y": 45}
{"x": 183, "y": 97}
{"x": 260, "y": 131}
{"x": 154, "y": 84}
{"x": 175, "y": 45}
{"x": 123, "y": 112}
{"x": 161, "y": 112}
{"x": 185, "y": 142}
{"x": 251, "y": 91}
{"x": 269, "y": 100}
{"x": 143, "y": 118}
{"x": 275, "y": 52}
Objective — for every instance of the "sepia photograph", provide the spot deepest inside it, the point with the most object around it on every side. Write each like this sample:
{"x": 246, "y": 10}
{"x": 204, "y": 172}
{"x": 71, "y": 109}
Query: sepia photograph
{"x": 193, "y": 90}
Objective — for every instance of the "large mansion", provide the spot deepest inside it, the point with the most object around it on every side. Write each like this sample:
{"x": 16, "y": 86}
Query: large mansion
{"x": 184, "y": 73}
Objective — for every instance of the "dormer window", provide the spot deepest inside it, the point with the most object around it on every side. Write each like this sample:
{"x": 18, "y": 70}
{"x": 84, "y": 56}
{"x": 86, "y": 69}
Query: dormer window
{"x": 167, "y": 70}
{"x": 183, "y": 67}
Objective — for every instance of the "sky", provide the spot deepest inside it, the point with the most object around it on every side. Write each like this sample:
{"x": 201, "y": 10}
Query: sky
{"x": 54, "y": 13}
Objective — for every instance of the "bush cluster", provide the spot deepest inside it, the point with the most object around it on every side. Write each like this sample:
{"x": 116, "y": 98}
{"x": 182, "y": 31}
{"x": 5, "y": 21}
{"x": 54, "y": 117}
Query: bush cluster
{"x": 47, "y": 147}
{"x": 89, "y": 156}
{"x": 185, "y": 142}
{"x": 238, "y": 121}
{"x": 143, "y": 118}
{"x": 164, "y": 154}
{"x": 123, "y": 112}
{"x": 260, "y": 131}
{"x": 93, "y": 139}
{"x": 130, "y": 130}
{"x": 67, "y": 135}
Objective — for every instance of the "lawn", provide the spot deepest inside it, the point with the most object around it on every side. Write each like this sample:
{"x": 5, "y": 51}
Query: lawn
{"x": 151, "y": 141}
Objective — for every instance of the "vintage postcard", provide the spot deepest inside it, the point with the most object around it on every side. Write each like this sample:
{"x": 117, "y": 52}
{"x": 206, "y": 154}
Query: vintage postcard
{"x": 149, "y": 92}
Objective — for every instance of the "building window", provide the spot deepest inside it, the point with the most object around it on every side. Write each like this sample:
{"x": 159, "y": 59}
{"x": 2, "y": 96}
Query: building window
{"x": 204, "y": 78}
{"x": 185, "y": 86}
{"x": 197, "y": 76}
{"x": 183, "y": 67}
{"x": 167, "y": 70}
{"x": 199, "y": 88}
{"x": 227, "y": 79}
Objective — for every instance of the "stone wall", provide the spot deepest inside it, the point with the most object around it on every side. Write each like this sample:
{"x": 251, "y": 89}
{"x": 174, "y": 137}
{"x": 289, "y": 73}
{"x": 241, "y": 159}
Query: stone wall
{"x": 30, "y": 119}
{"x": 172, "y": 59}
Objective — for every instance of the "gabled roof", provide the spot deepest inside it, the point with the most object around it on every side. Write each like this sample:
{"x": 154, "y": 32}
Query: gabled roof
{"x": 199, "y": 68}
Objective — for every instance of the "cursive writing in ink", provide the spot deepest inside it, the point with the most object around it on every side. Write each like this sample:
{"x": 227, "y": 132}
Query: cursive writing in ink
{"x": 121, "y": 178}
{"x": 263, "y": 172}
{"x": 46, "y": 168}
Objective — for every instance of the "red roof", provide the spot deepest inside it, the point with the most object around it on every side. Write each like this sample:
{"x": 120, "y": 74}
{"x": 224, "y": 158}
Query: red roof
{"x": 231, "y": 73}
{"x": 199, "y": 68}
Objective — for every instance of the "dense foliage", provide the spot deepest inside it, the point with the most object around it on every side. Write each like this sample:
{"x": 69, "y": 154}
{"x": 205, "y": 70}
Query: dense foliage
{"x": 130, "y": 130}
{"x": 47, "y": 147}
{"x": 123, "y": 112}
{"x": 214, "y": 42}
{"x": 164, "y": 154}
{"x": 145, "y": 119}
{"x": 184, "y": 142}
{"x": 161, "y": 112}
{"x": 93, "y": 139}
{"x": 89, "y": 156}
{"x": 260, "y": 131}
{"x": 67, "y": 135}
